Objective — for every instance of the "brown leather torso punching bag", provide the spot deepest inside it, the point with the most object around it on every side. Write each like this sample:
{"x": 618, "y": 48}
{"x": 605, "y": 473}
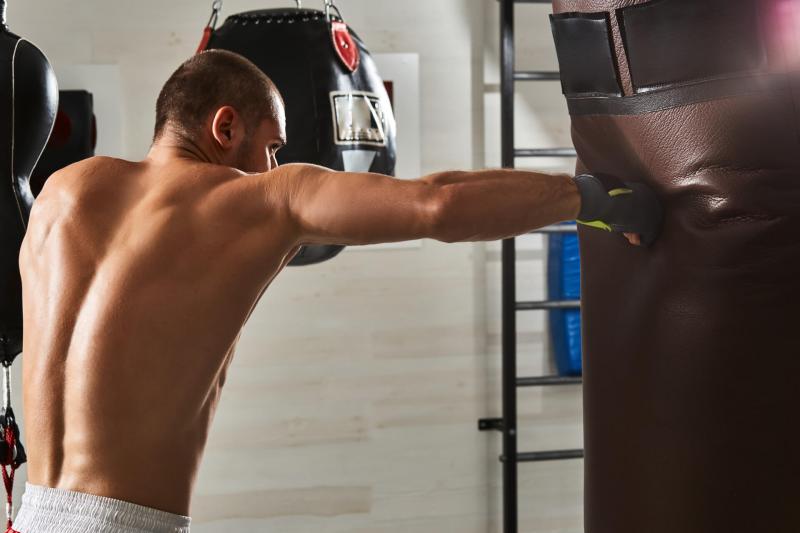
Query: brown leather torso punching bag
{"x": 691, "y": 347}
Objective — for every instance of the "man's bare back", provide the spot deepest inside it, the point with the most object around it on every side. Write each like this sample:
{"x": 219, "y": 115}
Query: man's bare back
{"x": 137, "y": 280}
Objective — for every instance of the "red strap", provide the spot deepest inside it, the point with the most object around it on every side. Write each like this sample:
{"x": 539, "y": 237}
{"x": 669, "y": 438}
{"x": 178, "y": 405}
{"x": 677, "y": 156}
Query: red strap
{"x": 206, "y": 37}
{"x": 9, "y": 467}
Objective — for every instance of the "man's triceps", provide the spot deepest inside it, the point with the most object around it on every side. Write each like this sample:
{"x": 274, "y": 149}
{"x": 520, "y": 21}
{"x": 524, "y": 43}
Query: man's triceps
{"x": 331, "y": 207}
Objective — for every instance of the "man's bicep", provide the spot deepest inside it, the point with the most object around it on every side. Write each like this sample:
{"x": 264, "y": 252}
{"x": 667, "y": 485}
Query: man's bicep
{"x": 331, "y": 207}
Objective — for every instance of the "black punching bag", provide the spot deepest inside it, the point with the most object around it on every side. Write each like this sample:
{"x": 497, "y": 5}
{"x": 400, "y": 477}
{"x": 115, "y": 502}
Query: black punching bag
{"x": 338, "y": 114}
{"x": 29, "y": 99}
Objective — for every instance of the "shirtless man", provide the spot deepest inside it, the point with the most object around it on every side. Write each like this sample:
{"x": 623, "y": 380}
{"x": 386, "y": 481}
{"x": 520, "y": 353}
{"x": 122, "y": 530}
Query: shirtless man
{"x": 138, "y": 278}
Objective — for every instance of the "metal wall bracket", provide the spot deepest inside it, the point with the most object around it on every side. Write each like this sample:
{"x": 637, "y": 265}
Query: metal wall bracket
{"x": 491, "y": 424}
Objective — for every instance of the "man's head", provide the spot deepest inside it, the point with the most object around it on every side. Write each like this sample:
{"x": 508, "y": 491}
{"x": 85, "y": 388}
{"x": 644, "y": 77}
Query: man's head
{"x": 220, "y": 101}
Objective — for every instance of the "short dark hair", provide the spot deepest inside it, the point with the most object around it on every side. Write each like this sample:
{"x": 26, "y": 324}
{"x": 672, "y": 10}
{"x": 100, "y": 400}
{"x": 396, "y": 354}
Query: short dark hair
{"x": 208, "y": 81}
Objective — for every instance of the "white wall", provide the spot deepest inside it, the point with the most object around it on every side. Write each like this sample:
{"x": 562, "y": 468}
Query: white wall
{"x": 353, "y": 401}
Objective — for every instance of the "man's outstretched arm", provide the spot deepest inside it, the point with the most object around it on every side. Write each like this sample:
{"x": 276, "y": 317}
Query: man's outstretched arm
{"x": 330, "y": 207}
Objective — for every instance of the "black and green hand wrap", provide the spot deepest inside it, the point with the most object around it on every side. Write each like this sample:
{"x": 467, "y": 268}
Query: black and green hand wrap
{"x": 613, "y": 205}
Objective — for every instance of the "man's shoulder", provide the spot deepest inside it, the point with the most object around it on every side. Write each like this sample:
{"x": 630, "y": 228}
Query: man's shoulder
{"x": 69, "y": 194}
{"x": 93, "y": 163}
{"x": 77, "y": 173}
{"x": 88, "y": 180}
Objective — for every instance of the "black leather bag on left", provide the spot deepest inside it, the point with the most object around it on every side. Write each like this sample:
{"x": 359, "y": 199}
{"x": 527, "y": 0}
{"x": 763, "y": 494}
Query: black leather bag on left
{"x": 29, "y": 101}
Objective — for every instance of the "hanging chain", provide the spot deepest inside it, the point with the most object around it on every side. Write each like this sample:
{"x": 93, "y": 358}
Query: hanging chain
{"x": 330, "y": 6}
{"x": 216, "y": 7}
{"x": 6, "y": 387}
{"x": 208, "y": 31}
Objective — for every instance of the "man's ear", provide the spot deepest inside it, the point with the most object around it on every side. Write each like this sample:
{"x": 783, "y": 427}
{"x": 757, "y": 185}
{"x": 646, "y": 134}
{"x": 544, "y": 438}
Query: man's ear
{"x": 227, "y": 127}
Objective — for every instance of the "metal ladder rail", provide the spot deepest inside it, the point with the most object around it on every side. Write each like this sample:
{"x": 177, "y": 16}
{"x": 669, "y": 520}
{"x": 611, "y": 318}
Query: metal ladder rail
{"x": 511, "y": 457}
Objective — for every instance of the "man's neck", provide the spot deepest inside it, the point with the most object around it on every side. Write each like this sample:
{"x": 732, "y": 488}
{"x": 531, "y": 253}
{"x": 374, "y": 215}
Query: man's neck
{"x": 171, "y": 146}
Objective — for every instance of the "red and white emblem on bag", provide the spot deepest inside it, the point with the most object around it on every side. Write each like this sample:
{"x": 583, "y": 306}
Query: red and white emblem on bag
{"x": 345, "y": 46}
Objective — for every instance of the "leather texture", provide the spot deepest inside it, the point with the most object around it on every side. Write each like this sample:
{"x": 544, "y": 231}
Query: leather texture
{"x": 335, "y": 117}
{"x": 29, "y": 99}
{"x": 691, "y": 365}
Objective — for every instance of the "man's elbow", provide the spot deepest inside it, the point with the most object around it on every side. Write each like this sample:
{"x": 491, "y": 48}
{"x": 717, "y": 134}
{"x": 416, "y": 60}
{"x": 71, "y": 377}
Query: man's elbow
{"x": 441, "y": 214}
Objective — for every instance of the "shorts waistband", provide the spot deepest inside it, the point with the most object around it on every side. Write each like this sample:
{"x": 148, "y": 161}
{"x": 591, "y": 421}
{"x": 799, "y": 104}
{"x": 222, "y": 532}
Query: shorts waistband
{"x": 60, "y": 503}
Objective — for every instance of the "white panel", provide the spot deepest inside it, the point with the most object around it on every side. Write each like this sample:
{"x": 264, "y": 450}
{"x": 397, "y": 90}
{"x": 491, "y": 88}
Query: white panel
{"x": 358, "y": 160}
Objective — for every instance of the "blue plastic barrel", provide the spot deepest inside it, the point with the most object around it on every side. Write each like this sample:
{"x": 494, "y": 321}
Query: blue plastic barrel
{"x": 564, "y": 283}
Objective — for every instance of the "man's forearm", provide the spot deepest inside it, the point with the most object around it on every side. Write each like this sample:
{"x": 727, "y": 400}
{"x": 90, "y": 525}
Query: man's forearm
{"x": 489, "y": 205}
